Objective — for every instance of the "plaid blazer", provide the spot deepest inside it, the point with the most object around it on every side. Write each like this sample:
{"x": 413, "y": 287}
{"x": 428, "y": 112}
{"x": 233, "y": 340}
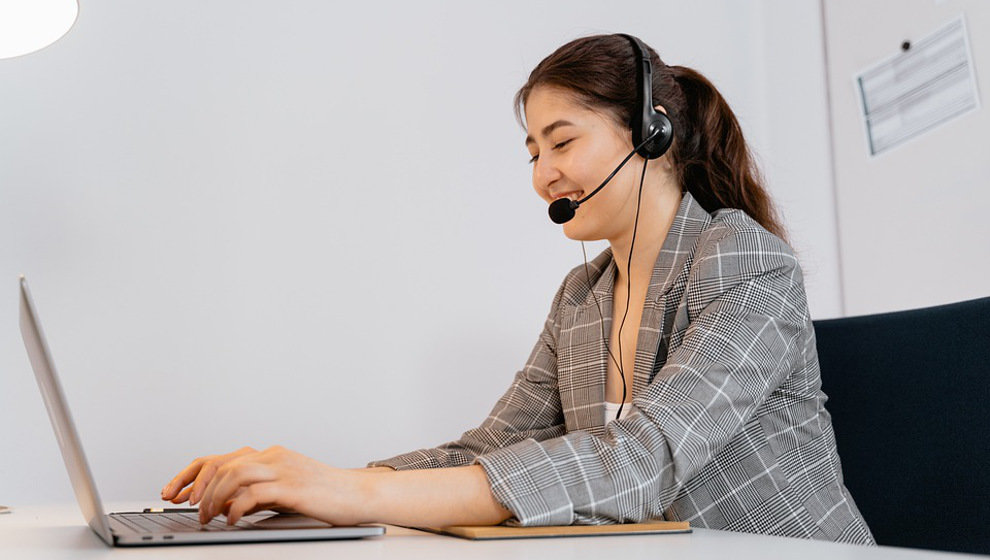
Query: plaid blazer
{"x": 727, "y": 427}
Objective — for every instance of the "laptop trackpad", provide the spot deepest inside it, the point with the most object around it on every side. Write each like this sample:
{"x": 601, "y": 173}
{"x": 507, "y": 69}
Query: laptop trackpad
{"x": 287, "y": 521}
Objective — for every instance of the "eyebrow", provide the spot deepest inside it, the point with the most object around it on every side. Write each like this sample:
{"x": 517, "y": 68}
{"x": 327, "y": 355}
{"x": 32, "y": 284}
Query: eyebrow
{"x": 548, "y": 129}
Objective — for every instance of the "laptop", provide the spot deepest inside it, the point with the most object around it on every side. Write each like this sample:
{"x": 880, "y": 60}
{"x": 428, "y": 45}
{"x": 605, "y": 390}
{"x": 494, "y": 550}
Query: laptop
{"x": 152, "y": 527}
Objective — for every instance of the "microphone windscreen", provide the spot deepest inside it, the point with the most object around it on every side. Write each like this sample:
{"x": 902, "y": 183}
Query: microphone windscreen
{"x": 561, "y": 211}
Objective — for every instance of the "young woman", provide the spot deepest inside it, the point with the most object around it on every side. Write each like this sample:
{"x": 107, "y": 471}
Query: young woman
{"x": 676, "y": 376}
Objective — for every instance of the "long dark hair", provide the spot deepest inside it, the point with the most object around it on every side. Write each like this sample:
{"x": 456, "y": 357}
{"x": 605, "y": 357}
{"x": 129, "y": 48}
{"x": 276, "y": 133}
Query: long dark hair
{"x": 709, "y": 155}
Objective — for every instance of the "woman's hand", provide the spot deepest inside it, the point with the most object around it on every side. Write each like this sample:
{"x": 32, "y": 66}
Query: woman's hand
{"x": 247, "y": 481}
{"x": 200, "y": 472}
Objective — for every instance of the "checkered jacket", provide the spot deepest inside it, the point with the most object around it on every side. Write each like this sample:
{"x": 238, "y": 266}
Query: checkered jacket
{"x": 727, "y": 429}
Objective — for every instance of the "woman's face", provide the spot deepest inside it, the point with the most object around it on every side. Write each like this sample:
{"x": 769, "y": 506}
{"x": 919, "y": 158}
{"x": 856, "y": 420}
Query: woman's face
{"x": 575, "y": 150}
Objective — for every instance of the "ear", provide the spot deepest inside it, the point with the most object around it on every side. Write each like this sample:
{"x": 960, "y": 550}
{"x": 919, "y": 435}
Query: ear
{"x": 660, "y": 109}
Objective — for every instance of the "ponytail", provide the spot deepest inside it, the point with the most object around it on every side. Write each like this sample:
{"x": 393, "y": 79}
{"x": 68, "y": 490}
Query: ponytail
{"x": 711, "y": 157}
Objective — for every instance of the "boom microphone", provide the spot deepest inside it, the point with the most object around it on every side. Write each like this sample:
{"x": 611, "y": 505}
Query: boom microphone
{"x": 562, "y": 209}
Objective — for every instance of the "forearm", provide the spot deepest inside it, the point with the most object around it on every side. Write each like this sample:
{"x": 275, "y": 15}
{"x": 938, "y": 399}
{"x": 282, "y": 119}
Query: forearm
{"x": 432, "y": 498}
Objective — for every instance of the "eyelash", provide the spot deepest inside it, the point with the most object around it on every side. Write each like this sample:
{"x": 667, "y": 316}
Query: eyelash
{"x": 560, "y": 145}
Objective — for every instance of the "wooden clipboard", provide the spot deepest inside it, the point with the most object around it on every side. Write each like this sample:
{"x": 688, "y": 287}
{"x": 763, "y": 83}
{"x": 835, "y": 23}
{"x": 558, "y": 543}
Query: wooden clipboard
{"x": 502, "y": 532}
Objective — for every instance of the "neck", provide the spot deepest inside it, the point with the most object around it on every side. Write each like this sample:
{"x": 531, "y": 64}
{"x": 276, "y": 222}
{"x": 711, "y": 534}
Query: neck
{"x": 655, "y": 218}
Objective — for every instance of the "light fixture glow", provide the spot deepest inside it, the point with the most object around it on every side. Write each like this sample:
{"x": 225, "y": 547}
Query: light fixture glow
{"x": 30, "y": 25}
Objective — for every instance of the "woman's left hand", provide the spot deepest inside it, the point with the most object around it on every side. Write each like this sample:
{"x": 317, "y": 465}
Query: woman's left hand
{"x": 280, "y": 478}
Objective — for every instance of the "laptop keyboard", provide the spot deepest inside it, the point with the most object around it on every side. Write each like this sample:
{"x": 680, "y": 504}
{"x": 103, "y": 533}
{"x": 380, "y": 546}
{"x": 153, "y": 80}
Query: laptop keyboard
{"x": 174, "y": 522}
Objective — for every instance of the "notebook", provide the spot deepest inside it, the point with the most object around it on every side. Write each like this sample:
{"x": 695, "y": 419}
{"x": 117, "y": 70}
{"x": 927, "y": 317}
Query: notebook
{"x": 502, "y": 532}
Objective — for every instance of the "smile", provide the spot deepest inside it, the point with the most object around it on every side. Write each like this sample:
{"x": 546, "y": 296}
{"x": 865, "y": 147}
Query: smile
{"x": 573, "y": 195}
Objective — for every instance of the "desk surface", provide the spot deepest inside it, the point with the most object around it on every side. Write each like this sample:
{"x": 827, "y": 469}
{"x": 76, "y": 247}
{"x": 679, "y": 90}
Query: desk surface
{"x": 59, "y": 531}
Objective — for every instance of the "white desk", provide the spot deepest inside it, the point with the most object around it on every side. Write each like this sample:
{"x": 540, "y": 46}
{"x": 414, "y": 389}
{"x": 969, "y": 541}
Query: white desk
{"x": 37, "y": 532}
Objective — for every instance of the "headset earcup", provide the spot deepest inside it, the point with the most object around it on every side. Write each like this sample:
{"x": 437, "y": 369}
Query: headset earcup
{"x": 659, "y": 145}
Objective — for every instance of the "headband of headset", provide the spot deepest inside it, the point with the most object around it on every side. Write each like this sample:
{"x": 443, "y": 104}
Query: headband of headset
{"x": 649, "y": 121}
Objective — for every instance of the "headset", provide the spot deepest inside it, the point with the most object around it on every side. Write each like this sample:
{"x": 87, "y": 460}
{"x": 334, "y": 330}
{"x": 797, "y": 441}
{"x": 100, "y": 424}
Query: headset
{"x": 652, "y": 135}
{"x": 652, "y": 132}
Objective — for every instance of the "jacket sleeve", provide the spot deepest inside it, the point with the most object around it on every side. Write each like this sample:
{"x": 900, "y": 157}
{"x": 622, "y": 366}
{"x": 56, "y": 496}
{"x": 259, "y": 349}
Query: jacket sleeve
{"x": 529, "y": 411}
{"x": 746, "y": 297}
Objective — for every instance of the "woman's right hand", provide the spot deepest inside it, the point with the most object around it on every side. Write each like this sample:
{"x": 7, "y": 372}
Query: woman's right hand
{"x": 193, "y": 480}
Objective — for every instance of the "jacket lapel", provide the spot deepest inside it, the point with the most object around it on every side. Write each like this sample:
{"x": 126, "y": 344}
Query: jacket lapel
{"x": 582, "y": 358}
{"x": 669, "y": 271}
{"x": 582, "y": 372}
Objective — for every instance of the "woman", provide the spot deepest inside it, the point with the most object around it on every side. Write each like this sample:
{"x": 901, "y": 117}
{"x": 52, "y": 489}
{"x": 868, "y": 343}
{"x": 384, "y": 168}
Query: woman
{"x": 703, "y": 403}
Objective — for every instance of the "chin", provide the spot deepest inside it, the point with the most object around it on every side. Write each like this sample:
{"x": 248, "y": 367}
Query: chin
{"x": 574, "y": 230}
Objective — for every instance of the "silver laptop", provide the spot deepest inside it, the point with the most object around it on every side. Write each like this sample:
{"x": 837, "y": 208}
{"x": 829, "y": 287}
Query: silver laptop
{"x": 152, "y": 527}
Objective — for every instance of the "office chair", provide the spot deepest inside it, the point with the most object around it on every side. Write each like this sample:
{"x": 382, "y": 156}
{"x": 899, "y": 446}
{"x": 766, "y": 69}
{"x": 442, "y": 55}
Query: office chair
{"x": 909, "y": 395}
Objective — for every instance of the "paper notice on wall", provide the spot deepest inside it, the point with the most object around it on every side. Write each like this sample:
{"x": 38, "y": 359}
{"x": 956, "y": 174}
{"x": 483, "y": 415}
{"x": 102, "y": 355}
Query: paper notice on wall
{"x": 928, "y": 83}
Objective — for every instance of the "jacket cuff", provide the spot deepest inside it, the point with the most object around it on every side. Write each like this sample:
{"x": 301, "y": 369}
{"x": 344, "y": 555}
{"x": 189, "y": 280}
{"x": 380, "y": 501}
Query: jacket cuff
{"x": 525, "y": 481}
{"x": 408, "y": 461}
{"x": 436, "y": 458}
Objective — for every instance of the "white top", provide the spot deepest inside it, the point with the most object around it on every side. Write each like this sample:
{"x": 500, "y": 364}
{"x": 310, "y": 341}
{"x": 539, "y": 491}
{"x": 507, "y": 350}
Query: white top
{"x": 612, "y": 408}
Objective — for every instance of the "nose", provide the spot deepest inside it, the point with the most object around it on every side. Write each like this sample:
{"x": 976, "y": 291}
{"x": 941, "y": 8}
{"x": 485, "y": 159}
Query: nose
{"x": 545, "y": 172}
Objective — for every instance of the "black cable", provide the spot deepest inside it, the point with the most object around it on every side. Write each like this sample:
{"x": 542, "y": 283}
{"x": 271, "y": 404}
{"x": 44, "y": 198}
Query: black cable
{"x": 591, "y": 290}
{"x": 632, "y": 244}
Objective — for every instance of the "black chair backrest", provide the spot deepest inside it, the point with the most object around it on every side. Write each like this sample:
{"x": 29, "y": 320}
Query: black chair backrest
{"x": 909, "y": 395}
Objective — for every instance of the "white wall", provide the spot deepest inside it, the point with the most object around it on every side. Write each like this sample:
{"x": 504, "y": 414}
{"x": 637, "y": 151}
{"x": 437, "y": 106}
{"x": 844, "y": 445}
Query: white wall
{"x": 299, "y": 223}
{"x": 913, "y": 221}
{"x": 796, "y": 155}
